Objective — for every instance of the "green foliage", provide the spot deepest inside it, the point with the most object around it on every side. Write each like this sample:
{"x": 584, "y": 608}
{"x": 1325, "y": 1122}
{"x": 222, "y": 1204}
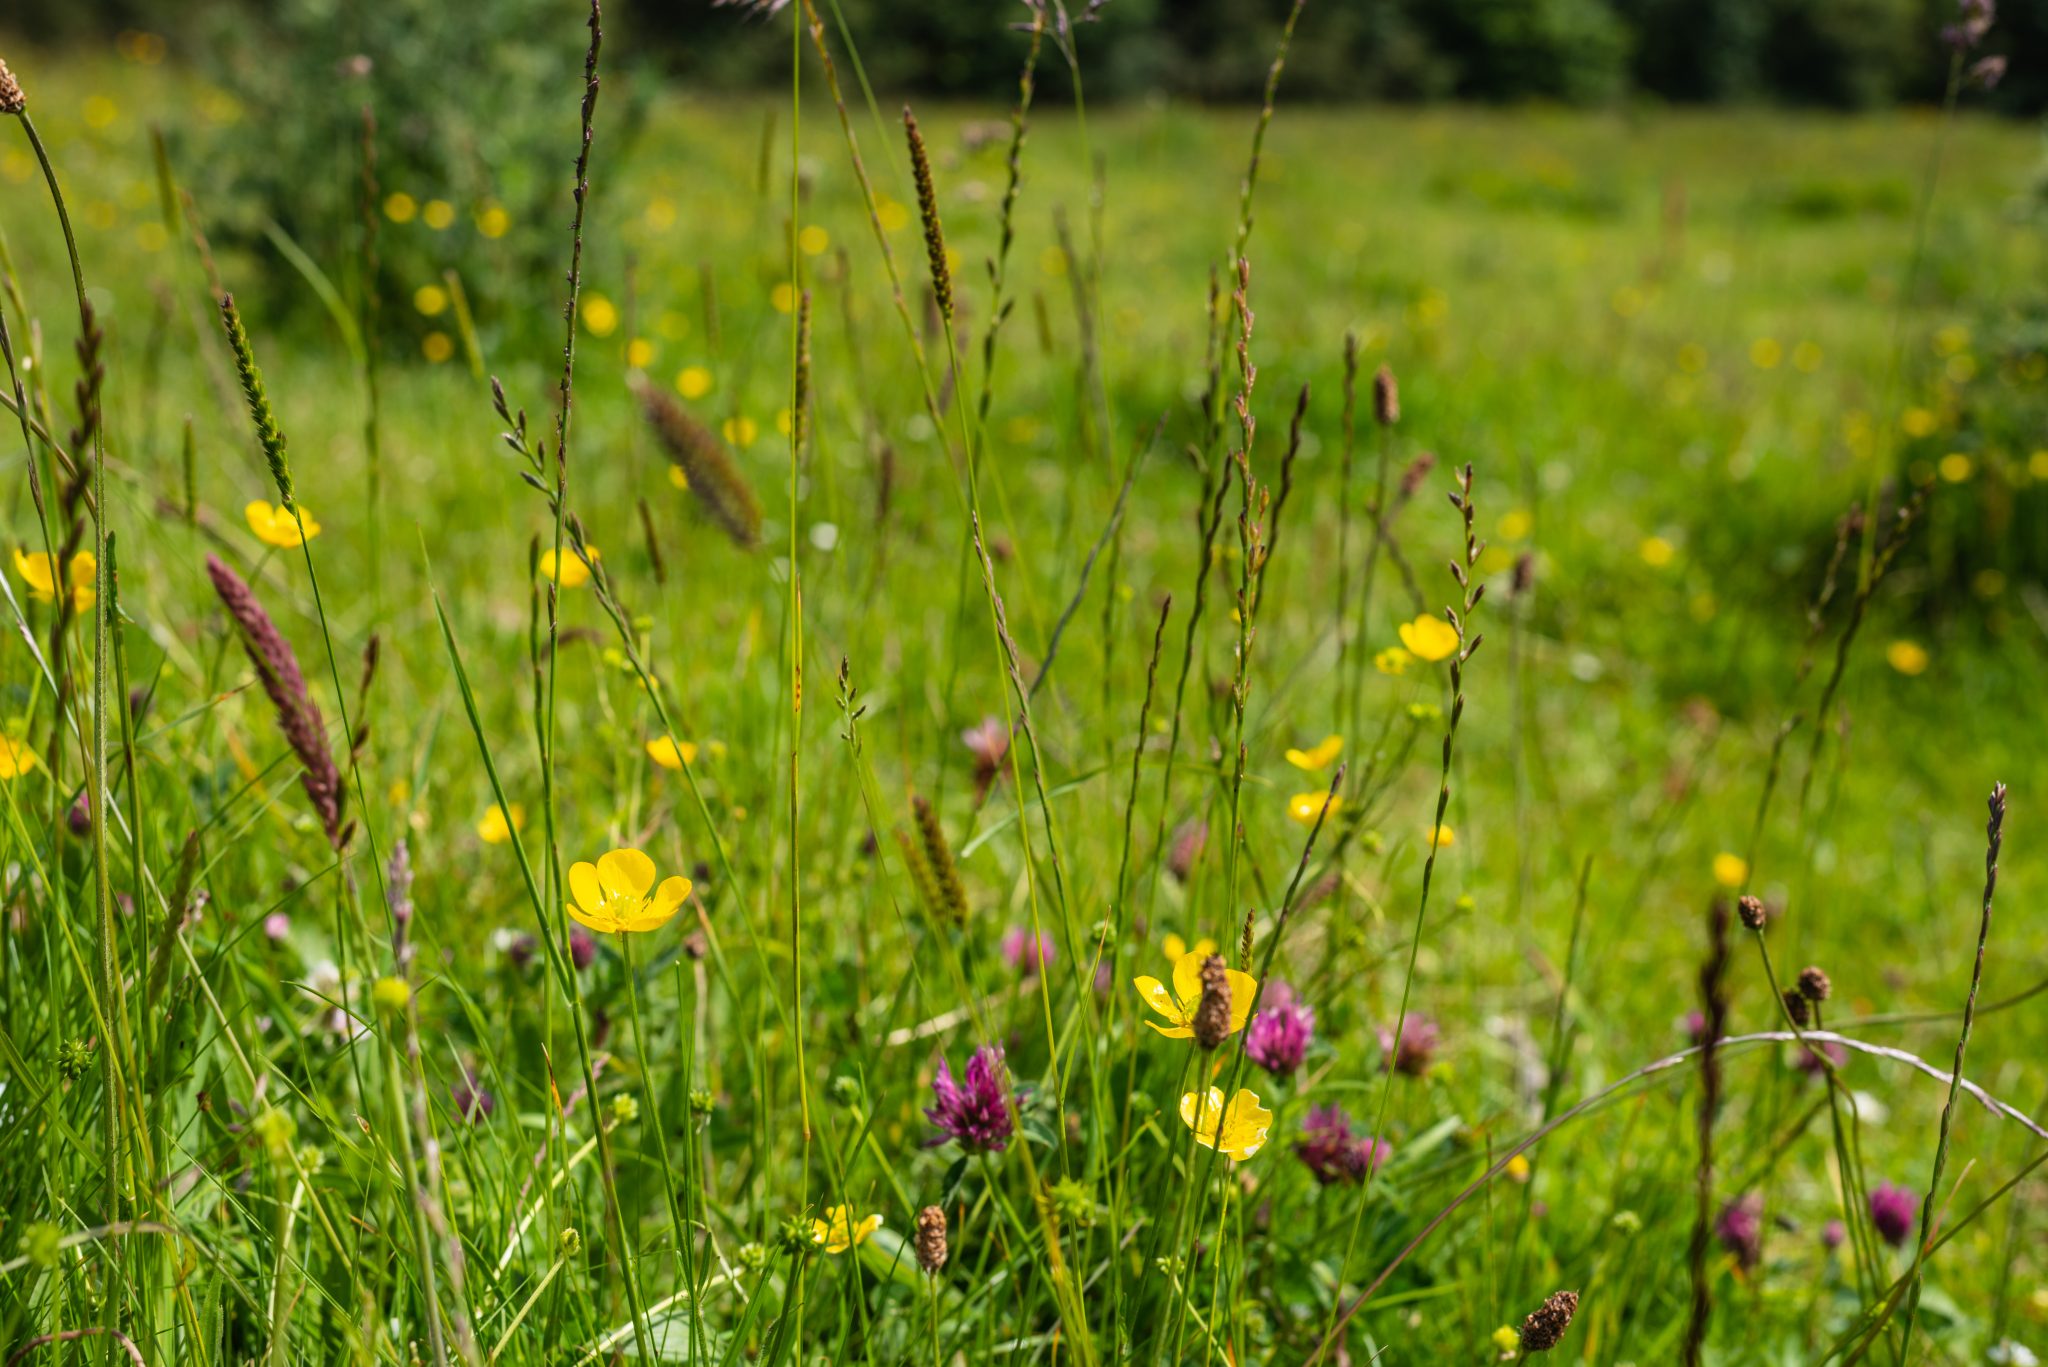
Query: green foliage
{"x": 472, "y": 107}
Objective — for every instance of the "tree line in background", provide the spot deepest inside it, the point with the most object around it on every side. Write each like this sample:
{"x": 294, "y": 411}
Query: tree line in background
{"x": 1844, "y": 53}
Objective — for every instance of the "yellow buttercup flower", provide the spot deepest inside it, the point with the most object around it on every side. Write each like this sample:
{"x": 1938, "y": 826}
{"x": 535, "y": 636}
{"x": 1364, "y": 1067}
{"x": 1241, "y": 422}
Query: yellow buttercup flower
{"x": 1393, "y": 660}
{"x": 1178, "y": 1004}
{"x": 1518, "y": 1168}
{"x": 16, "y": 759}
{"x": 1306, "y": 807}
{"x": 1429, "y": 638}
{"x": 1237, "y": 1131}
{"x": 1908, "y": 657}
{"x": 1508, "y": 1339}
{"x": 1441, "y": 837}
{"x": 1178, "y": 949}
{"x": 34, "y": 569}
{"x": 611, "y": 895}
{"x": 275, "y": 526}
{"x": 575, "y": 574}
{"x": 495, "y": 828}
{"x": 669, "y": 755}
{"x": 1317, "y": 756}
{"x": 837, "y": 1231}
{"x": 1730, "y": 870}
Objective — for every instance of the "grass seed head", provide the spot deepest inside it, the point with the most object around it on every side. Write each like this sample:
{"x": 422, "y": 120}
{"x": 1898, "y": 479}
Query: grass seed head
{"x": 1546, "y": 1324}
{"x": 931, "y": 1239}
{"x": 12, "y": 101}
{"x": 1814, "y": 984}
{"x": 1212, "y": 1014}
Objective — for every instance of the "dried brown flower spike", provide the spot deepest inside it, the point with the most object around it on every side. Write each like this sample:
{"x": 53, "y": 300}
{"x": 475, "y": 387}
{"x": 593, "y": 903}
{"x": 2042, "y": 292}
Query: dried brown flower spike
{"x": 12, "y": 101}
{"x": 931, "y": 1239}
{"x": 1386, "y": 397}
{"x": 928, "y": 210}
{"x": 1545, "y": 1327}
{"x": 1212, "y": 1015}
{"x": 1795, "y": 1007}
{"x": 1814, "y": 984}
{"x": 1751, "y": 910}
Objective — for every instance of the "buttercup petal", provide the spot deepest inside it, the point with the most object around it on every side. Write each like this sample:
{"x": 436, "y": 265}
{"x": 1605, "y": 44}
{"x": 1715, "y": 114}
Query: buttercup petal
{"x": 1159, "y": 999}
{"x": 626, "y": 871}
{"x": 1187, "y": 982}
{"x": 583, "y": 885}
{"x": 1203, "y": 1123}
{"x": 1243, "y": 987}
{"x": 603, "y": 922}
{"x": 1173, "y": 1031}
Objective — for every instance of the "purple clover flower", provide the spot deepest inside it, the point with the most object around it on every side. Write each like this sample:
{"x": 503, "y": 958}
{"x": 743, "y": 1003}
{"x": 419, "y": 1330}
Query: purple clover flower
{"x": 1412, "y": 1050}
{"x": 1279, "y": 1035}
{"x": 1740, "y": 1229}
{"x": 472, "y": 1103}
{"x": 1334, "y": 1154}
{"x": 1026, "y": 953}
{"x": 1893, "y": 1211}
{"x": 974, "y": 1109}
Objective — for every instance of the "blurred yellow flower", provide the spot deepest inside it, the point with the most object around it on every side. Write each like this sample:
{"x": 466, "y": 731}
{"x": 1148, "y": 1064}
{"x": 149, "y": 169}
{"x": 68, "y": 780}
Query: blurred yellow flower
{"x": 1515, "y": 524}
{"x": 401, "y": 207}
{"x": 1237, "y": 1131}
{"x": 600, "y": 315}
{"x": 1306, "y": 807}
{"x": 437, "y": 346}
{"x": 893, "y": 216}
{"x": 813, "y": 240}
{"x": 1908, "y": 657}
{"x": 1178, "y": 949}
{"x": 1657, "y": 552}
{"x": 665, "y": 752}
{"x": 783, "y": 297}
{"x": 494, "y": 828}
{"x": 430, "y": 300}
{"x": 16, "y": 758}
{"x": 639, "y": 353}
{"x": 838, "y": 1232}
{"x": 611, "y": 895}
{"x": 1393, "y": 660}
{"x": 99, "y": 111}
{"x": 678, "y": 478}
{"x": 438, "y": 214}
{"x": 1730, "y": 870}
{"x": 1441, "y": 837}
{"x": 1429, "y": 638}
{"x": 34, "y": 569}
{"x": 1955, "y": 467}
{"x": 742, "y": 431}
{"x": 1178, "y": 1003}
{"x": 575, "y": 574}
{"x": 493, "y": 222}
{"x": 1919, "y": 422}
{"x": 1317, "y": 756}
{"x": 275, "y": 526}
{"x": 1508, "y": 1339}
{"x": 1765, "y": 353}
{"x": 1518, "y": 1168}
{"x": 693, "y": 382}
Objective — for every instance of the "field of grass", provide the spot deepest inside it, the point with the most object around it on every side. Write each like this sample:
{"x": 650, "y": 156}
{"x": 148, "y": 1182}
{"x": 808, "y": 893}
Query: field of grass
{"x": 281, "y": 1085}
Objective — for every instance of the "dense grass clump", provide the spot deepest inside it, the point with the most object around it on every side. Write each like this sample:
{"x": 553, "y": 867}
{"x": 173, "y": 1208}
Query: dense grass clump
{"x": 1147, "y": 736}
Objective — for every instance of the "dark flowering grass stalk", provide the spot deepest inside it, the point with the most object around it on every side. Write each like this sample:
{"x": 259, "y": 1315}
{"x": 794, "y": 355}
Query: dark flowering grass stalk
{"x": 1714, "y": 1006}
{"x": 298, "y": 716}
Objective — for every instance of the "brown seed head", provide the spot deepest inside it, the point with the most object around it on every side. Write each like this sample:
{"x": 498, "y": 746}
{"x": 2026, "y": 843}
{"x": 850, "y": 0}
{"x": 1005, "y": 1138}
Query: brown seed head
{"x": 12, "y": 101}
{"x": 931, "y": 1239}
{"x": 1814, "y": 984}
{"x": 1795, "y": 1007}
{"x": 1547, "y": 1322}
{"x": 1386, "y": 397}
{"x": 1212, "y": 1015}
{"x": 928, "y": 209}
{"x": 1751, "y": 909}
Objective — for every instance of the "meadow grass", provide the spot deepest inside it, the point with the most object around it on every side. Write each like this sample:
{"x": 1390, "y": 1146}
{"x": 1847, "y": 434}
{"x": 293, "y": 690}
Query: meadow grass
{"x": 956, "y": 698}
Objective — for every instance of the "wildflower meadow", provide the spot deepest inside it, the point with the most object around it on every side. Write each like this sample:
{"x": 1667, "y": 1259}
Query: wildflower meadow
{"x": 825, "y": 726}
